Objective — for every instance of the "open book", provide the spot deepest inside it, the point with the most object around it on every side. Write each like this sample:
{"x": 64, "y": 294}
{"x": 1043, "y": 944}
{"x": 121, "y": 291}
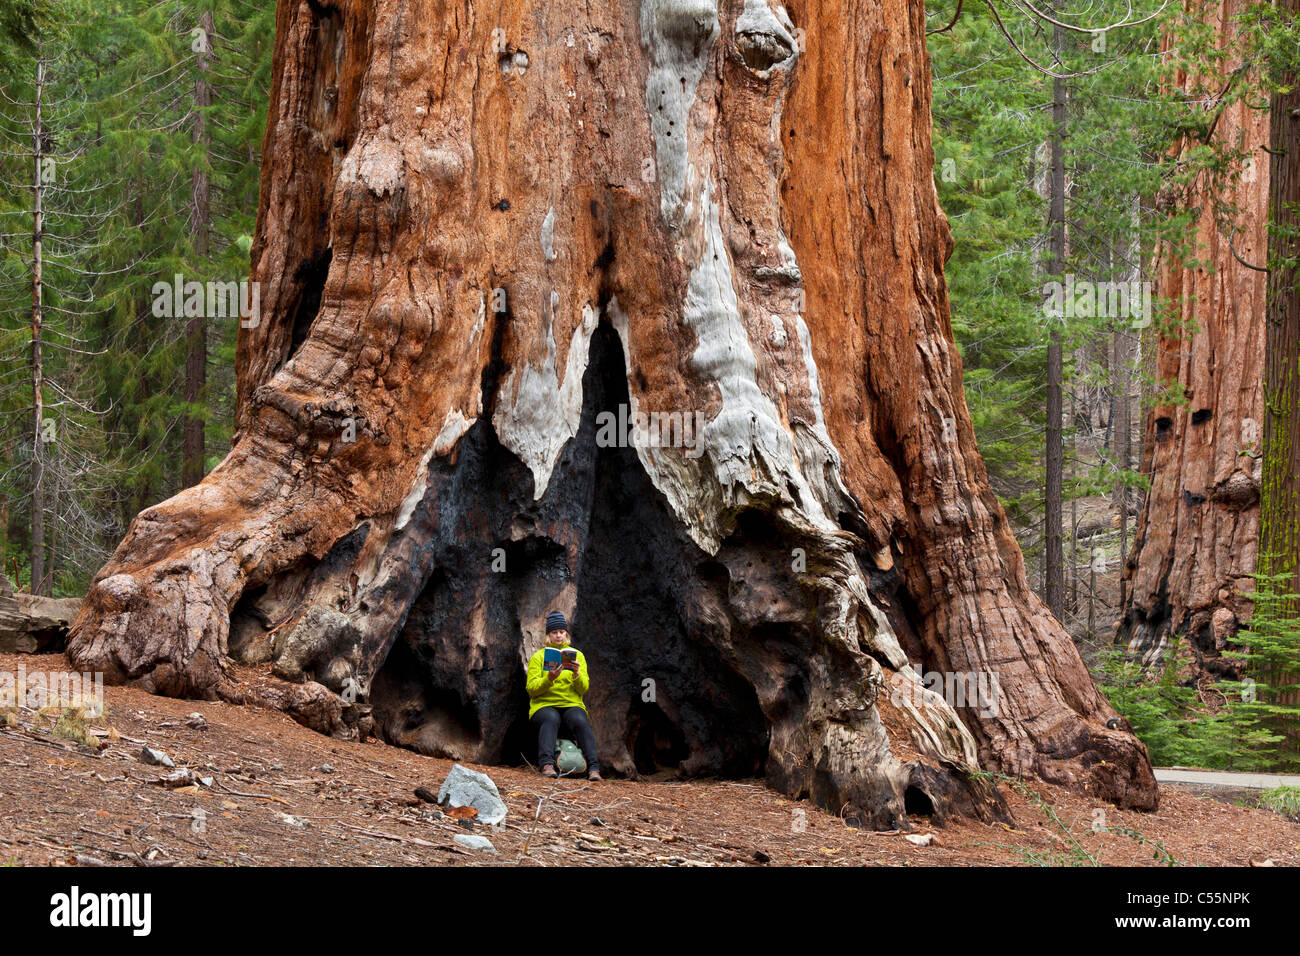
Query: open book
{"x": 559, "y": 655}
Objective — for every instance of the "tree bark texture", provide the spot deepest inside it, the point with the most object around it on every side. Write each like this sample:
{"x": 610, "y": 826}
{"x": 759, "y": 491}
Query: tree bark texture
{"x": 1279, "y": 534}
{"x": 482, "y": 225}
{"x": 1195, "y": 543}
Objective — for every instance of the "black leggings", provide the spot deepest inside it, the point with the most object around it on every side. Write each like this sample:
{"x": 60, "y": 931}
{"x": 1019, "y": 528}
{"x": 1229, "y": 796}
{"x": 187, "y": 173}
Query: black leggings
{"x": 548, "y": 721}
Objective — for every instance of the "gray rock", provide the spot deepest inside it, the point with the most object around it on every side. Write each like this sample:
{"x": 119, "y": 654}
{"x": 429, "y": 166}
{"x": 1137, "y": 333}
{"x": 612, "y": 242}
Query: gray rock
{"x": 476, "y": 843}
{"x": 155, "y": 758}
{"x": 469, "y": 788}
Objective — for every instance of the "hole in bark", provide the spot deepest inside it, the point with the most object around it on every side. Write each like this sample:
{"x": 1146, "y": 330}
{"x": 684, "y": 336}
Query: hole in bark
{"x": 247, "y": 642}
{"x": 311, "y": 280}
{"x": 655, "y": 742}
{"x": 490, "y": 380}
{"x": 513, "y": 61}
{"x": 454, "y": 681}
{"x": 917, "y": 803}
{"x": 414, "y": 712}
{"x": 1163, "y": 426}
{"x": 644, "y": 620}
{"x": 262, "y": 607}
{"x": 762, "y": 51}
{"x": 652, "y": 612}
{"x": 759, "y": 530}
{"x": 711, "y": 572}
{"x": 1201, "y": 416}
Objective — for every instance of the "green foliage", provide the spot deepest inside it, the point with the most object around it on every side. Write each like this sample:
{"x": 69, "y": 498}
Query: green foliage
{"x": 21, "y": 21}
{"x": 992, "y": 122}
{"x": 1245, "y": 725}
{"x": 72, "y": 724}
{"x": 1283, "y": 800}
{"x": 119, "y": 106}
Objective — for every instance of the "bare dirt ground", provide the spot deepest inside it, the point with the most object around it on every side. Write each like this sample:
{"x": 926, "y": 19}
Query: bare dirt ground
{"x": 280, "y": 794}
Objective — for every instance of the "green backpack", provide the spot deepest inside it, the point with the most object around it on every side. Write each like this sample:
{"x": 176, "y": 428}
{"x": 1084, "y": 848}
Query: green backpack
{"x": 570, "y": 759}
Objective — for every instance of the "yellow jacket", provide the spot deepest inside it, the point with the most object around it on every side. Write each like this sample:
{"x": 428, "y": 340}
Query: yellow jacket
{"x": 565, "y": 691}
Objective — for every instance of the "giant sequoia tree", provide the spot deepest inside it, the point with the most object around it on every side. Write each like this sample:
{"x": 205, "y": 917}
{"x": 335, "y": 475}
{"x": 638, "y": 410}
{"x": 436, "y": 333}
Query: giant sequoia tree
{"x": 484, "y": 224}
{"x": 1196, "y": 544}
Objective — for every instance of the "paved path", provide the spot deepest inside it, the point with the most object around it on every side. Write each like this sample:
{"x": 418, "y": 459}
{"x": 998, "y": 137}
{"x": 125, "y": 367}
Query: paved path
{"x": 1220, "y": 778}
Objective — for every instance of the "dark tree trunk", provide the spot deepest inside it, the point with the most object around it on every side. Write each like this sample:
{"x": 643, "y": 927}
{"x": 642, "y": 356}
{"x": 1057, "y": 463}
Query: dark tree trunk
{"x": 1280, "y": 503}
{"x": 1280, "y": 519}
{"x": 481, "y": 228}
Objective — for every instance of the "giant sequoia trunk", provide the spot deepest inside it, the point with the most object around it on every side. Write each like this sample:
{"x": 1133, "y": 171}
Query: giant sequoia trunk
{"x": 482, "y": 226}
{"x": 1196, "y": 542}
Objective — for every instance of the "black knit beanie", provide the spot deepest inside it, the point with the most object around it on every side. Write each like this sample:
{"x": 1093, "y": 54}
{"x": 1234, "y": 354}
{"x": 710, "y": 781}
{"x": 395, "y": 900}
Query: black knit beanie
{"x": 555, "y": 622}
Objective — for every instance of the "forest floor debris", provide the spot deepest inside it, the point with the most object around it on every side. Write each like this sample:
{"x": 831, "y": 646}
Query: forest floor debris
{"x": 271, "y": 803}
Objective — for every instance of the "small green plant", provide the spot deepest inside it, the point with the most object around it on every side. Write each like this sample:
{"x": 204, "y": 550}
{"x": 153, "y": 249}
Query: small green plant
{"x": 1246, "y": 724}
{"x": 1283, "y": 800}
{"x": 73, "y": 725}
{"x": 1076, "y": 854}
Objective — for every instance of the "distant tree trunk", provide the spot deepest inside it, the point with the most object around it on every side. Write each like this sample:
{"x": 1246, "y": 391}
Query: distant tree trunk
{"x": 54, "y": 535}
{"x": 1122, "y": 416}
{"x": 1195, "y": 541}
{"x": 196, "y": 330}
{"x": 37, "y": 362}
{"x": 1054, "y": 558}
{"x": 1123, "y": 441}
{"x": 1280, "y": 507}
{"x": 1280, "y": 493}
{"x": 487, "y": 237}
{"x": 1072, "y": 606}
{"x": 130, "y": 442}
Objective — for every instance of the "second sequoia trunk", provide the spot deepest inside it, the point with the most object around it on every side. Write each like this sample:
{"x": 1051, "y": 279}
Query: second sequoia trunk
{"x": 1196, "y": 543}
{"x": 635, "y": 311}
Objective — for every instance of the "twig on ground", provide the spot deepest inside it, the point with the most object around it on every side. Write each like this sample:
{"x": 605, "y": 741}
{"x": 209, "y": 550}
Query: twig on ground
{"x": 251, "y": 796}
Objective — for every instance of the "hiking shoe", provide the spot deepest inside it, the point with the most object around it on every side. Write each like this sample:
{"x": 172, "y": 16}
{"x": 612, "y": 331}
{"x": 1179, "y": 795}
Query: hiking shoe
{"x": 595, "y": 775}
{"x": 548, "y": 771}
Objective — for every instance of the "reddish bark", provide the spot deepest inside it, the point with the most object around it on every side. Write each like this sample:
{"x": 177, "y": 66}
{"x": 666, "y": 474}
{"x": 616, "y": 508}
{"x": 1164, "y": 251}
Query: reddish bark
{"x": 781, "y": 274}
{"x": 1195, "y": 546}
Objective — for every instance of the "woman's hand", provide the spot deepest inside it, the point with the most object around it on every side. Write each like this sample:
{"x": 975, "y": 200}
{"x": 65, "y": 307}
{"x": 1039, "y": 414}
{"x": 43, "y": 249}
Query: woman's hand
{"x": 552, "y": 672}
{"x": 571, "y": 666}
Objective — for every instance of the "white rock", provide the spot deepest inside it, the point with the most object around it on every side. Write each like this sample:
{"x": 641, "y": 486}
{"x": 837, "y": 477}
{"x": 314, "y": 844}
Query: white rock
{"x": 469, "y": 788}
{"x": 477, "y": 843}
{"x": 155, "y": 758}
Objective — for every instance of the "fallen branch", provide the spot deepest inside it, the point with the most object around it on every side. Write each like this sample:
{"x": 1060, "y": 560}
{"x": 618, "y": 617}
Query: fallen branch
{"x": 251, "y": 796}
{"x": 396, "y": 839}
